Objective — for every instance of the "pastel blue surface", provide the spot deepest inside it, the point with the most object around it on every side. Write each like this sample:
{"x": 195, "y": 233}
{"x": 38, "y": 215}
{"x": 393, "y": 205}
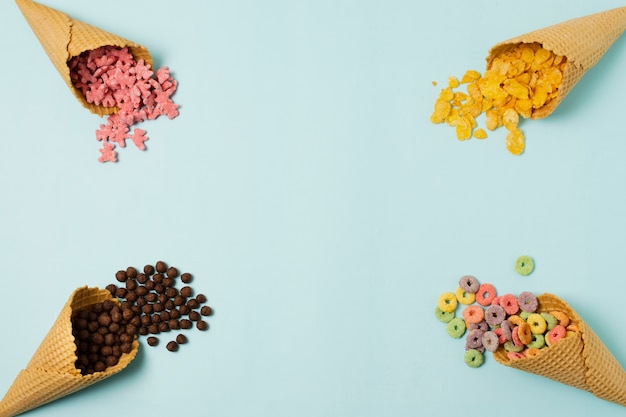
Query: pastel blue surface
{"x": 319, "y": 210}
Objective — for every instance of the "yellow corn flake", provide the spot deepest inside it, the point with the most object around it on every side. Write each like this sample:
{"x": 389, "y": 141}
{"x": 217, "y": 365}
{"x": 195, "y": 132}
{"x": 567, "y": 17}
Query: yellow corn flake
{"x": 469, "y": 76}
{"x": 453, "y": 82}
{"x": 515, "y": 89}
{"x": 493, "y": 119}
{"x": 515, "y": 141}
{"x": 434, "y": 83}
{"x": 528, "y": 55}
{"x": 441, "y": 111}
{"x": 510, "y": 119}
{"x": 463, "y": 132}
{"x": 480, "y": 133}
{"x": 446, "y": 94}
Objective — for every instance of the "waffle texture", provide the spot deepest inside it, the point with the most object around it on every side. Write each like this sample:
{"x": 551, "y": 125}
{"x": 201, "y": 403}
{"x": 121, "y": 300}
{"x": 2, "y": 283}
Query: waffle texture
{"x": 64, "y": 38}
{"x": 580, "y": 360}
{"x": 583, "y": 41}
{"x": 51, "y": 373}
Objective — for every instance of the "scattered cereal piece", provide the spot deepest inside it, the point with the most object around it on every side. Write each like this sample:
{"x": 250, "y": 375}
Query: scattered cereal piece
{"x": 473, "y": 358}
{"x": 524, "y": 265}
{"x": 456, "y": 327}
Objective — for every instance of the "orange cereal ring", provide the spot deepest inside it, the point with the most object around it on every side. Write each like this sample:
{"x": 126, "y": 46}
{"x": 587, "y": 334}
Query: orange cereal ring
{"x": 515, "y": 319}
{"x": 509, "y": 303}
{"x": 556, "y": 334}
{"x": 473, "y": 314}
{"x": 531, "y": 352}
{"x": 537, "y": 323}
{"x": 485, "y": 294}
{"x": 573, "y": 328}
{"x": 447, "y": 302}
{"x": 562, "y": 318}
{"x": 464, "y": 297}
{"x": 524, "y": 333}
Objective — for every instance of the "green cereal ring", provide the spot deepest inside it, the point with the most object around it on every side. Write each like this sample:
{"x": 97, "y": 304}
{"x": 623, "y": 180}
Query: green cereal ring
{"x": 473, "y": 358}
{"x": 538, "y": 341}
{"x": 456, "y": 327}
{"x": 550, "y": 320}
{"x": 524, "y": 315}
{"x": 443, "y": 316}
{"x": 524, "y": 265}
{"x": 509, "y": 346}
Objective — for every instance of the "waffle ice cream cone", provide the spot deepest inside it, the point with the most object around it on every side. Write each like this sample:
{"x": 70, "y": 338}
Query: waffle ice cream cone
{"x": 64, "y": 38}
{"x": 580, "y": 359}
{"x": 51, "y": 372}
{"x": 582, "y": 41}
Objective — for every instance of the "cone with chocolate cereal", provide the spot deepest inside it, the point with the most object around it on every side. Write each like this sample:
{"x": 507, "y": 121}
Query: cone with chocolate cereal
{"x": 63, "y": 38}
{"x": 580, "y": 359}
{"x": 51, "y": 372}
{"x": 582, "y": 41}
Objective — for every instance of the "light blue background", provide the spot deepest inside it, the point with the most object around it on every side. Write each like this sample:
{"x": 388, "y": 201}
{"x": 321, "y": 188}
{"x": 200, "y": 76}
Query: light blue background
{"x": 316, "y": 205}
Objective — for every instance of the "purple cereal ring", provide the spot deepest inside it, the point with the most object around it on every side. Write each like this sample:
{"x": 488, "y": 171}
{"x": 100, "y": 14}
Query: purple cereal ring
{"x": 507, "y": 329}
{"x": 490, "y": 341}
{"x": 494, "y": 315}
{"x": 481, "y": 325}
{"x": 474, "y": 339}
{"x": 527, "y": 302}
{"x": 469, "y": 284}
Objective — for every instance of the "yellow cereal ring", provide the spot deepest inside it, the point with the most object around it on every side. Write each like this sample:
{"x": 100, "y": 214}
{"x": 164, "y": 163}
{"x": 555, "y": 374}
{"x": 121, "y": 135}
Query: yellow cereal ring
{"x": 537, "y": 323}
{"x": 447, "y": 302}
{"x": 463, "y": 297}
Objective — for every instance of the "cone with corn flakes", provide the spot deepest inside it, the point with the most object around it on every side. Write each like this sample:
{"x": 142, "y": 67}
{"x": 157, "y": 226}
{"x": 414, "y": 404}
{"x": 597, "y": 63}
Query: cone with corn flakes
{"x": 63, "y": 38}
{"x": 581, "y": 41}
{"x": 51, "y": 373}
{"x": 580, "y": 359}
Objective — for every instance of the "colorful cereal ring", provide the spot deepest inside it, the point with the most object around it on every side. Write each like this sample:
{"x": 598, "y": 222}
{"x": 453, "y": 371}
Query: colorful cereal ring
{"x": 527, "y": 302}
{"x": 537, "y": 323}
{"x": 495, "y": 315}
{"x": 473, "y": 314}
{"x": 515, "y": 336}
{"x": 456, "y": 327}
{"x": 550, "y": 320}
{"x": 538, "y": 341}
{"x": 507, "y": 329}
{"x": 515, "y": 355}
{"x": 531, "y": 352}
{"x": 481, "y": 325}
{"x": 515, "y": 319}
{"x": 562, "y": 318}
{"x": 556, "y": 334}
{"x": 485, "y": 294}
{"x": 512, "y": 347}
{"x": 524, "y": 315}
{"x": 469, "y": 284}
{"x": 496, "y": 300}
{"x": 524, "y": 265}
{"x": 524, "y": 333}
{"x": 474, "y": 339}
{"x": 443, "y": 316}
{"x": 500, "y": 334}
{"x": 490, "y": 341}
{"x": 464, "y": 297}
{"x": 447, "y": 302}
{"x": 509, "y": 303}
{"x": 474, "y": 358}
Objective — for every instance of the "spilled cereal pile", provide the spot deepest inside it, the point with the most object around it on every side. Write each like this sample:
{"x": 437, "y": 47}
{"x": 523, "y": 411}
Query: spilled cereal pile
{"x": 519, "y": 81}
